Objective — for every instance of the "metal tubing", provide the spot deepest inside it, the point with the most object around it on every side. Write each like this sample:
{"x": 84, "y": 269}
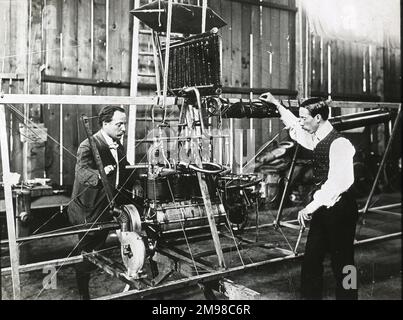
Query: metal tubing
{"x": 355, "y": 115}
{"x": 188, "y": 219}
{"x": 357, "y": 120}
{"x": 187, "y": 229}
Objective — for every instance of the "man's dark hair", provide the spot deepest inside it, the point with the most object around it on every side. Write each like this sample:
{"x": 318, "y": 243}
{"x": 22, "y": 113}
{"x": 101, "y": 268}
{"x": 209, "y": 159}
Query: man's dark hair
{"x": 316, "y": 106}
{"x": 107, "y": 112}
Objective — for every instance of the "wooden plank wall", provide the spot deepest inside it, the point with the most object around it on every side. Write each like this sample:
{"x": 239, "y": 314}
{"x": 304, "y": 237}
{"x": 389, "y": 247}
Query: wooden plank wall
{"x": 357, "y": 70}
{"x": 85, "y": 39}
{"x": 92, "y": 39}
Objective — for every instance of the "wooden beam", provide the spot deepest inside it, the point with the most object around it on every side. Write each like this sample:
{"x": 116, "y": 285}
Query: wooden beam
{"x": 131, "y": 134}
{"x": 209, "y": 212}
{"x": 236, "y": 291}
{"x": 379, "y": 238}
{"x": 14, "y": 259}
{"x": 77, "y": 99}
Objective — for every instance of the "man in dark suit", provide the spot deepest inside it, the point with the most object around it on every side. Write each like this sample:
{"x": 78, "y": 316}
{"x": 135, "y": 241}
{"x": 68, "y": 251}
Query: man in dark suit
{"x": 89, "y": 201}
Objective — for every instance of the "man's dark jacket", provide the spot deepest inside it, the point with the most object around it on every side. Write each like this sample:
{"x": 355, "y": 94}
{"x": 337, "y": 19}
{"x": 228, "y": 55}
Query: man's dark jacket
{"x": 89, "y": 199}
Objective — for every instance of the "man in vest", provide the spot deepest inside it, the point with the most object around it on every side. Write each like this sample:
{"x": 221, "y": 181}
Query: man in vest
{"x": 333, "y": 211}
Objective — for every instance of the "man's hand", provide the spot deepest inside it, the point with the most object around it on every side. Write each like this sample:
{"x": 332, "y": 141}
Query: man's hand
{"x": 304, "y": 215}
{"x": 109, "y": 169}
{"x": 268, "y": 97}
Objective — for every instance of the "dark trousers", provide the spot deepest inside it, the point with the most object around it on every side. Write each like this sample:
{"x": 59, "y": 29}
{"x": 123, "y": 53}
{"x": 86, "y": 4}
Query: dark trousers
{"x": 87, "y": 243}
{"x": 332, "y": 230}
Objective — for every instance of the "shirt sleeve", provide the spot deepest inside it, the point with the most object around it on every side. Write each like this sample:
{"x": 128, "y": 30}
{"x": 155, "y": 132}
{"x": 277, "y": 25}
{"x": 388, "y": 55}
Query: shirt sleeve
{"x": 297, "y": 133}
{"x": 340, "y": 176}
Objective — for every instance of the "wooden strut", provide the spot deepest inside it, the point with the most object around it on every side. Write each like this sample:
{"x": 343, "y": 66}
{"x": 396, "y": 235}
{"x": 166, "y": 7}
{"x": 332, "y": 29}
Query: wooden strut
{"x": 204, "y": 192}
{"x": 287, "y": 183}
{"x": 84, "y": 100}
{"x": 154, "y": 100}
{"x": 5, "y": 161}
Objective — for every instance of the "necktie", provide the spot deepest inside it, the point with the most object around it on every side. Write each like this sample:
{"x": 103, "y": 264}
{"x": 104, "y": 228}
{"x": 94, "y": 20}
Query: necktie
{"x": 114, "y": 150}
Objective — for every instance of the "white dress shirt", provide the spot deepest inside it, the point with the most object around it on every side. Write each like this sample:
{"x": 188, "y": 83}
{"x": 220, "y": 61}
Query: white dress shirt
{"x": 113, "y": 149}
{"x": 341, "y": 171}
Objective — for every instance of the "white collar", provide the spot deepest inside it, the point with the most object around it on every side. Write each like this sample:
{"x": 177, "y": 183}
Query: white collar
{"x": 324, "y": 130}
{"x": 107, "y": 138}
